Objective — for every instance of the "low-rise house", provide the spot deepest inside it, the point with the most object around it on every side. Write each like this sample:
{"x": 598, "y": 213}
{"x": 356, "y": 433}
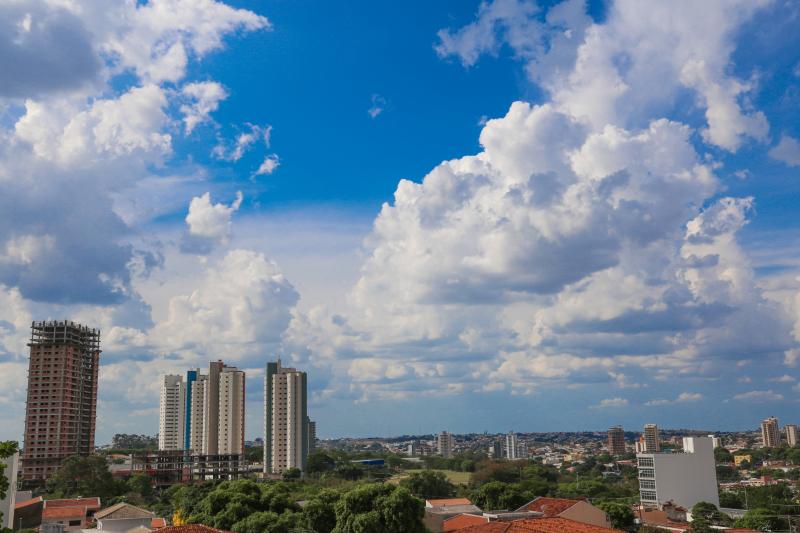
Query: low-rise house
{"x": 28, "y": 513}
{"x": 438, "y": 510}
{"x": 577, "y": 510}
{"x": 122, "y": 517}
{"x": 73, "y": 514}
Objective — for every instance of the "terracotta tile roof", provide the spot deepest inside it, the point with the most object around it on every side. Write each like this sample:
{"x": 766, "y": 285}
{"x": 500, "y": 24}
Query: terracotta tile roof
{"x": 74, "y": 502}
{"x": 655, "y": 517}
{"x": 448, "y": 502}
{"x": 122, "y": 510}
{"x": 461, "y": 521}
{"x": 25, "y": 503}
{"x": 549, "y": 507}
{"x": 57, "y": 513}
{"x": 538, "y": 525}
{"x": 158, "y": 523}
{"x": 191, "y": 528}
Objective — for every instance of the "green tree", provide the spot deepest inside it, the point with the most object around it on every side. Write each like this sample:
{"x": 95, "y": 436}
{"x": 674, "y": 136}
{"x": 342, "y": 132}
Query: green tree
{"x": 709, "y": 512}
{"x": 497, "y": 495}
{"x": 141, "y": 484}
{"x": 429, "y": 484}
{"x": 83, "y": 476}
{"x": 379, "y": 508}
{"x": 760, "y": 519}
{"x": 319, "y": 462}
{"x": 7, "y": 449}
{"x": 292, "y": 474}
{"x": 721, "y": 455}
{"x": 349, "y": 471}
{"x": 320, "y": 511}
{"x": 701, "y": 525}
{"x": 621, "y": 515}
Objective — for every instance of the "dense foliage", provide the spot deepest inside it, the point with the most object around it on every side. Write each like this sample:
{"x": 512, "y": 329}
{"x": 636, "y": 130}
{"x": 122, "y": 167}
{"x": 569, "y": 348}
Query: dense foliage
{"x": 124, "y": 441}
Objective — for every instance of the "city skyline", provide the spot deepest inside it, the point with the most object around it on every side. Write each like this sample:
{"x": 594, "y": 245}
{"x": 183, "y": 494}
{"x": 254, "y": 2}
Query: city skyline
{"x": 502, "y": 215}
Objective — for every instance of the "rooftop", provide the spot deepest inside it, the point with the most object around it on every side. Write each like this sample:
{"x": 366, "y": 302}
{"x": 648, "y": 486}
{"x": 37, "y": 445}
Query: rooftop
{"x": 549, "y": 507}
{"x": 538, "y": 525}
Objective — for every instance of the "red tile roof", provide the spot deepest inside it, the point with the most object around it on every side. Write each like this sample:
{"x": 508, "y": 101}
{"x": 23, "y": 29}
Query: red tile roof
{"x": 449, "y": 501}
{"x": 74, "y": 502}
{"x": 191, "y": 528}
{"x": 460, "y": 521}
{"x": 538, "y": 525}
{"x": 549, "y": 507}
{"x": 57, "y": 513}
{"x": 158, "y": 523}
{"x": 25, "y": 503}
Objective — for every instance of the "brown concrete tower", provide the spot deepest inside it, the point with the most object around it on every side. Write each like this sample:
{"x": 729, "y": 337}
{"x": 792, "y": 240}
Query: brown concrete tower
{"x": 62, "y": 396}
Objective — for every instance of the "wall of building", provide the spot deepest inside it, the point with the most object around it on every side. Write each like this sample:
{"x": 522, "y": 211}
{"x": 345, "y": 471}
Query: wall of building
{"x": 7, "y": 504}
{"x": 686, "y": 478}
{"x": 587, "y": 513}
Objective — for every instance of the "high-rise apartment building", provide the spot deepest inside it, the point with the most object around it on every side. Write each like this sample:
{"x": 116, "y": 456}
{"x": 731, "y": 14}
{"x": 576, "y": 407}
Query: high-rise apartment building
{"x": 715, "y": 441}
{"x": 62, "y": 396}
{"x": 312, "y": 435}
{"x": 230, "y": 415}
{"x": 791, "y": 434}
{"x": 616, "y": 441}
{"x": 172, "y": 413}
{"x": 682, "y": 478}
{"x": 511, "y": 446}
{"x": 444, "y": 444}
{"x": 652, "y": 439}
{"x": 770, "y": 432}
{"x": 206, "y": 413}
{"x": 286, "y": 439}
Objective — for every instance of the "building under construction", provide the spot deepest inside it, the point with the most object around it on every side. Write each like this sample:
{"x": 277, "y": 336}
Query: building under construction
{"x": 62, "y": 396}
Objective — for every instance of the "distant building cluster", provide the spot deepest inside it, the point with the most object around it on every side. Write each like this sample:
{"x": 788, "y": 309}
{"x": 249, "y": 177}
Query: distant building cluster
{"x": 201, "y": 416}
{"x": 205, "y": 413}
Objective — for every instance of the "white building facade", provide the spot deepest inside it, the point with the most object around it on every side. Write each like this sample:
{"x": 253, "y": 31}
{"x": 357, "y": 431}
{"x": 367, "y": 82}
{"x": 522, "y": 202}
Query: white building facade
{"x": 206, "y": 413}
{"x": 791, "y": 434}
{"x": 10, "y": 472}
{"x": 512, "y": 451}
{"x": 286, "y": 422}
{"x": 172, "y": 413}
{"x": 444, "y": 444}
{"x": 684, "y": 478}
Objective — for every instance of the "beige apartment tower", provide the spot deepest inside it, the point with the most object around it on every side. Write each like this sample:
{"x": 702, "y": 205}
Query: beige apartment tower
{"x": 652, "y": 439}
{"x": 770, "y": 432}
{"x": 286, "y": 422}
{"x": 444, "y": 444}
{"x": 62, "y": 396}
{"x": 791, "y": 435}
{"x": 616, "y": 441}
{"x": 207, "y": 411}
{"x": 172, "y": 413}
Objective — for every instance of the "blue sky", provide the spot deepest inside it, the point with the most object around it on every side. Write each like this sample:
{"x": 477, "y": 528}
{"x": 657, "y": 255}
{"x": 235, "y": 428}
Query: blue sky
{"x": 454, "y": 215}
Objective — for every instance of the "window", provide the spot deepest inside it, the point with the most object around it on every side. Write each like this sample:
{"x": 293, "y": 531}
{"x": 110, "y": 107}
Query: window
{"x": 648, "y": 495}
{"x": 646, "y": 461}
{"x": 647, "y": 472}
{"x": 647, "y": 484}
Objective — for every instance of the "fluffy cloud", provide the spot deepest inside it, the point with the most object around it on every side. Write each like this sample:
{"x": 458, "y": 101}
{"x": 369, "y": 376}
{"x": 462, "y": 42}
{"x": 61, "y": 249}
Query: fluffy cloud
{"x": 787, "y": 151}
{"x": 611, "y": 403}
{"x": 44, "y": 48}
{"x": 587, "y": 238}
{"x": 759, "y": 396}
{"x": 158, "y": 38}
{"x": 211, "y": 221}
{"x": 240, "y": 308}
{"x": 684, "y": 397}
{"x": 204, "y": 99}
{"x": 628, "y": 67}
